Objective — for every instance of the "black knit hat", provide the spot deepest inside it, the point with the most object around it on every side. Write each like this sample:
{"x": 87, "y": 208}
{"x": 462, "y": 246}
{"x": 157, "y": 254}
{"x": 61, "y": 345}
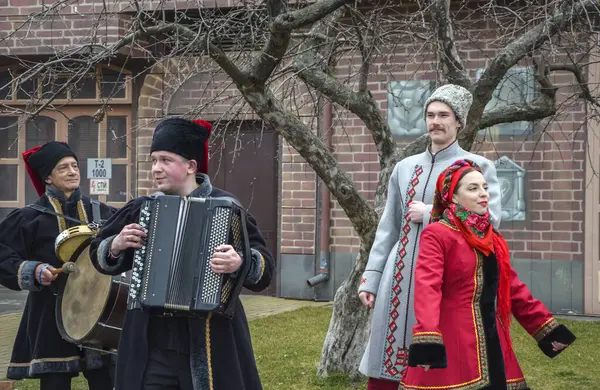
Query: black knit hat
{"x": 41, "y": 160}
{"x": 183, "y": 137}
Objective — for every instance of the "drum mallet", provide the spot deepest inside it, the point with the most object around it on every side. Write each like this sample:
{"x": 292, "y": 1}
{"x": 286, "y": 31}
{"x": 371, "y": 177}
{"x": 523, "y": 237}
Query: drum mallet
{"x": 67, "y": 268}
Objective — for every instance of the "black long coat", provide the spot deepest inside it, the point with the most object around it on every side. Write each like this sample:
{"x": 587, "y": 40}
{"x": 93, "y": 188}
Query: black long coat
{"x": 27, "y": 239}
{"x": 221, "y": 355}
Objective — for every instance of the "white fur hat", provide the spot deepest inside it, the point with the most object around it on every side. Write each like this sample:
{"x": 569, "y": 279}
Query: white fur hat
{"x": 455, "y": 96}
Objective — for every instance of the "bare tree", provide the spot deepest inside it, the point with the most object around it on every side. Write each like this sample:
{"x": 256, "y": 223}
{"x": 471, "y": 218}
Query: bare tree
{"x": 274, "y": 50}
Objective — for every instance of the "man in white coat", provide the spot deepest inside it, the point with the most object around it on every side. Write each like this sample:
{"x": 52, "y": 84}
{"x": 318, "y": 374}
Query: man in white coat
{"x": 387, "y": 284}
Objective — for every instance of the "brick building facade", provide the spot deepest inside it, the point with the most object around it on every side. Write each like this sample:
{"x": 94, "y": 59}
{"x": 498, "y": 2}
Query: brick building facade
{"x": 551, "y": 197}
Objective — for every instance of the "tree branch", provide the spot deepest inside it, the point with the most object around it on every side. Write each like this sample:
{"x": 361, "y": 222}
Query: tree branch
{"x": 281, "y": 29}
{"x": 274, "y": 49}
{"x": 309, "y": 15}
{"x": 363, "y": 105}
{"x": 365, "y": 45}
{"x": 442, "y": 22}
{"x": 97, "y": 54}
{"x": 520, "y": 47}
{"x": 576, "y": 70}
{"x": 309, "y": 66}
{"x": 312, "y": 148}
{"x": 541, "y": 107}
{"x": 203, "y": 43}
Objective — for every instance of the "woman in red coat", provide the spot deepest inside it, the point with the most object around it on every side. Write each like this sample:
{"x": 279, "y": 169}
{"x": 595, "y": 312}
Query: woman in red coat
{"x": 465, "y": 294}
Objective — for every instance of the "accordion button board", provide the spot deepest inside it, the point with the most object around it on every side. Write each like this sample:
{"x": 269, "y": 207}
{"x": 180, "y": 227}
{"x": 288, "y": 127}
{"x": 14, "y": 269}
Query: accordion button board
{"x": 171, "y": 271}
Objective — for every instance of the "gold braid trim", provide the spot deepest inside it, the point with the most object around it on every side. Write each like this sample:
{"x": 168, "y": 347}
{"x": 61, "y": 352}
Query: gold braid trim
{"x": 428, "y": 337}
{"x": 208, "y": 353}
{"x": 516, "y": 384}
{"x": 81, "y": 211}
{"x": 545, "y": 329}
{"x": 62, "y": 224}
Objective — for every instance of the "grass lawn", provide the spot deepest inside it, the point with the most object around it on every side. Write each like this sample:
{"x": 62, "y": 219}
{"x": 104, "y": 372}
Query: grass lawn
{"x": 288, "y": 347}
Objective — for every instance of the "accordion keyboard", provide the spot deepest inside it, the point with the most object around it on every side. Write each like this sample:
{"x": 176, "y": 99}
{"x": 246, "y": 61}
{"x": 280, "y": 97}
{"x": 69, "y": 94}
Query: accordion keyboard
{"x": 172, "y": 270}
{"x": 139, "y": 256}
{"x": 218, "y": 235}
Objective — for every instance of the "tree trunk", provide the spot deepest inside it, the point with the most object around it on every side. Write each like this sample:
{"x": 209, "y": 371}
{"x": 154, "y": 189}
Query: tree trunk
{"x": 349, "y": 327}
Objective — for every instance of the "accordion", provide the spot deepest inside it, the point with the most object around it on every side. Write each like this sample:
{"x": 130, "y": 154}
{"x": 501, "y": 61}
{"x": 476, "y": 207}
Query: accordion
{"x": 172, "y": 272}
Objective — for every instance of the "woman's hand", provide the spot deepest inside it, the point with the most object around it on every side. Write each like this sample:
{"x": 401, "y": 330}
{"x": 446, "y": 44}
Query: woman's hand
{"x": 556, "y": 346}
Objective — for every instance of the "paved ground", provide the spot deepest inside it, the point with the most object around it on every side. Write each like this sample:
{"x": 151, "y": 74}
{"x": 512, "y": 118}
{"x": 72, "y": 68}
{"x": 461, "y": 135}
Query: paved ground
{"x": 12, "y": 303}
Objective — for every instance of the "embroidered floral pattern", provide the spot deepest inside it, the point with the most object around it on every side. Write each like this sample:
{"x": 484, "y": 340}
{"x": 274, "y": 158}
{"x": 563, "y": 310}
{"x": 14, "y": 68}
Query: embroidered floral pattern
{"x": 545, "y": 329}
{"x": 442, "y": 195}
{"x": 427, "y": 337}
{"x": 478, "y": 224}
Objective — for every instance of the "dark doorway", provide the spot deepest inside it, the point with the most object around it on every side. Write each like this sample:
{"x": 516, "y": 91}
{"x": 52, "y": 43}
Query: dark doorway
{"x": 244, "y": 161}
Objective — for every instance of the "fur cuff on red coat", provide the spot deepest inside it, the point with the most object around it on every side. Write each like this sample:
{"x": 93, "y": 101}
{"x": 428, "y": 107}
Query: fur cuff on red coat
{"x": 427, "y": 354}
{"x": 554, "y": 332}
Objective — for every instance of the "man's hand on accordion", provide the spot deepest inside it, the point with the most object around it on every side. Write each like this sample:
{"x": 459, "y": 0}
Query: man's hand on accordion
{"x": 225, "y": 260}
{"x": 131, "y": 236}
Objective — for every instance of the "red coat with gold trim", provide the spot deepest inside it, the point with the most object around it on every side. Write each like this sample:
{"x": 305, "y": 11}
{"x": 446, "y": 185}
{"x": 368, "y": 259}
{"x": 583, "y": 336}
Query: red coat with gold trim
{"x": 458, "y": 332}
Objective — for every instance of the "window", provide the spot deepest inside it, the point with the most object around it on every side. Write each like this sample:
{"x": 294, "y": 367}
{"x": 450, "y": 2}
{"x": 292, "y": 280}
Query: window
{"x": 51, "y": 87}
{"x": 112, "y": 84}
{"x": 38, "y": 131}
{"x": 83, "y": 139}
{"x": 6, "y": 87}
{"x": 8, "y": 137}
{"x": 9, "y": 159}
{"x": 105, "y": 83}
{"x": 117, "y": 150}
{"x": 110, "y": 138}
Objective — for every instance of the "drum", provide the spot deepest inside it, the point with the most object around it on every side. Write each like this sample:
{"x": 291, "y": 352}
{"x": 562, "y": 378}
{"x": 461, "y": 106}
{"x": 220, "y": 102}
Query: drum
{"x": 91, "y": 309}
{"x": 71, "y": 242}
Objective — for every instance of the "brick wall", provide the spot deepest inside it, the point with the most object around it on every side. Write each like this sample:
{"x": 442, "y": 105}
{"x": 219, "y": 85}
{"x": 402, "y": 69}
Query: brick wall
{"x": 553, "y": 157}
{"x": 30, "y": 27}
{"x": 194, "y": 88}
{"x": 24, "y": 33}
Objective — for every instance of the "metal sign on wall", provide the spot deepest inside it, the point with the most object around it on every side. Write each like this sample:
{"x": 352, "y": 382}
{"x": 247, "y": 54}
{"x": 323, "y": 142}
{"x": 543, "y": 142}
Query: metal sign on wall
{"x": 99, "y": 171}
{"x": 512, "y": 185}
{"x": 99, "y": 186}
{"x": 99, "y": 168}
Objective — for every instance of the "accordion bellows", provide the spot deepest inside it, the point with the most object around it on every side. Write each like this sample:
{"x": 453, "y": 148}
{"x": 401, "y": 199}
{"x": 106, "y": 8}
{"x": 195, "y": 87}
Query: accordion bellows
{"x": 172, "y": 272}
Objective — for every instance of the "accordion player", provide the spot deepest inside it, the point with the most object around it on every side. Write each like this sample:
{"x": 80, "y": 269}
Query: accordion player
{"x": 172, "y": 272}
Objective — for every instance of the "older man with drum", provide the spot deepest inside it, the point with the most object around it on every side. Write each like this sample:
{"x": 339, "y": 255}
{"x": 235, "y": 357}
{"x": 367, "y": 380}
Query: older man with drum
{"x": 28, "y": 262}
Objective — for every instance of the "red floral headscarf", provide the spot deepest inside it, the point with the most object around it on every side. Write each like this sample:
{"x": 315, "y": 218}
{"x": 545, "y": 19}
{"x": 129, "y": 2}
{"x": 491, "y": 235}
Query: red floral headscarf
{"x": 476, "y": 229}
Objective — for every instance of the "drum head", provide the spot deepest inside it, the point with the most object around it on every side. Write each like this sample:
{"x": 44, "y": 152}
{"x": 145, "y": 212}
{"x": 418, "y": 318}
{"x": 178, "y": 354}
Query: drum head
{"x": 84, "y": 298}
{"x": 70, "y": 242}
